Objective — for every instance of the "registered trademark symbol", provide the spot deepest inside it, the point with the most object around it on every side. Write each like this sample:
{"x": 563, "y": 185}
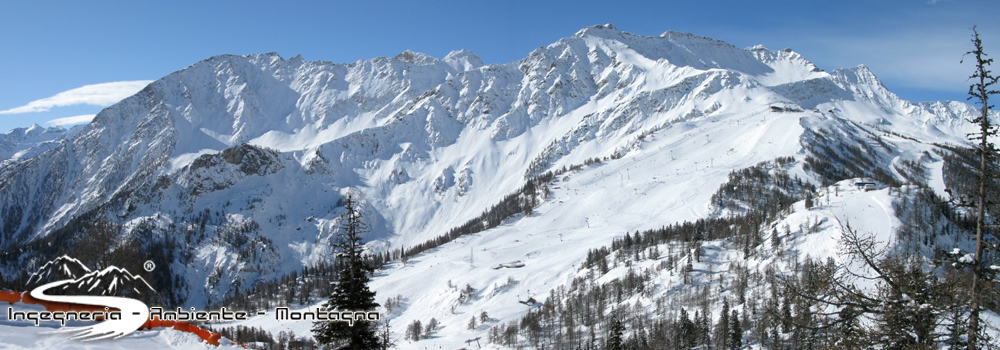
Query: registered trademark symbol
{"x": 149, "y": 266}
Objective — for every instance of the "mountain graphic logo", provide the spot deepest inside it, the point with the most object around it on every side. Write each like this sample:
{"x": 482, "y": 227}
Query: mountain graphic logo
{"x": 58, "y": 269}
{"x": 67, "y": 280}
{"x": 110, "y": 281}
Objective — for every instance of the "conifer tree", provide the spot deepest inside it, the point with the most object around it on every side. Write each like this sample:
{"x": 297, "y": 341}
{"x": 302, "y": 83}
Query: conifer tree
{"x": 686, "y": 332}
{"x": 956, "y": 329}
{"x": 722, "y": 328}
{"x": 615, "y": 337}
{"x": 385, "y": 337}
{"x": 735, "y": 331}
{"x": 981, "y": 90}
{"x": 351, "y": 292}
{"x": 414, "y": 331}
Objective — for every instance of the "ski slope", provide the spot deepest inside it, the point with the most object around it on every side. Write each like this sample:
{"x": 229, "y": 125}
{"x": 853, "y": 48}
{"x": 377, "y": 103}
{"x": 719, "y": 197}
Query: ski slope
{"x": 267, "y": 146}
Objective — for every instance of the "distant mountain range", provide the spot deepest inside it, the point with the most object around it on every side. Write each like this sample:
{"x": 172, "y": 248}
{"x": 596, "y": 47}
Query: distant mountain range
{"x": 229, "y": 172}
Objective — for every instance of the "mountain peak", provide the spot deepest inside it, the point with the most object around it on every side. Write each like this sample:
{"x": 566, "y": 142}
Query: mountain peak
{"x": 598, "y": 30}
{"x": 33, "y": 127}
{"x": 32, "y": 131}
{"x": 297, "y": 60}
{"x": 859, "y": 74}
{"x": 415, "y": 57}
{"x": 428, "y": 145}
{"x": 463, "y": 60}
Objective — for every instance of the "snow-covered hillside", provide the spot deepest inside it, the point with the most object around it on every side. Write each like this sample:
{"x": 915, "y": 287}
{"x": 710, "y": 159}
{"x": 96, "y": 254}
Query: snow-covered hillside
{"x": 234, "y": 167}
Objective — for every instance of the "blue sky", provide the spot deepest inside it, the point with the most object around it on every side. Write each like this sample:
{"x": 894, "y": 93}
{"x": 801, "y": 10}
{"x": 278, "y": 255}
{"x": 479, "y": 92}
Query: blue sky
{"x": 51, "y": 50}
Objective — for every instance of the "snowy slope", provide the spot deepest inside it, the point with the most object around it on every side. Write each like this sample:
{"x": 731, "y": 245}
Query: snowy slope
{"x": 585, "y": 209}
{"x": 238, "y": 162}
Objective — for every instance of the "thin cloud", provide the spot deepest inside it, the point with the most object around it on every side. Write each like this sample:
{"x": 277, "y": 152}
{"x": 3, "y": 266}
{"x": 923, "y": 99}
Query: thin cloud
{"x": 929, "y": 62}
{"x": 80, "y": 119}
{"x": 917, "y": 59}
{"x": 102, "y": 95}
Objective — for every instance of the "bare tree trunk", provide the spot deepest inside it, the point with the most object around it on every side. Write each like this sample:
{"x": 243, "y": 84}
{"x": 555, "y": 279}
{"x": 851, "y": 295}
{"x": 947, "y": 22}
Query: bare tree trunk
{"x": 980, "y": 90}
{"x": 978, "y": 259}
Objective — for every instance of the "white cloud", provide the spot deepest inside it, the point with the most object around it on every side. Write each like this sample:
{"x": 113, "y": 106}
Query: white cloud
{"x": 103, "y": 95}
{"x": 80, "y": 119}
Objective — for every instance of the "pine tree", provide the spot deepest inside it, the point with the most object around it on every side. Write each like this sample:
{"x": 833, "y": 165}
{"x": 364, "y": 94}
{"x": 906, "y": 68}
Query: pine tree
{"x": 703, "y": 327}
{"x": 351, "y": 292}
{"x": 615, "y": 338}
{"x": 775, "y": 242}
{"x": 414, "y": 331}
{"x": 430, "y": 328}
{"x": 385, "y": 341}
{"x": 956, "y": 329}
{"x": 849, "y": 333}
{"x": 687, "y": 335}
{"x": 722, "y": 328}
{"x": 786, "y": 316}
{"x": 981, "y": 90}
{"x": 735, "y": 331}
{"x": 688, "y": 268}
{"x": 906, "y": 306}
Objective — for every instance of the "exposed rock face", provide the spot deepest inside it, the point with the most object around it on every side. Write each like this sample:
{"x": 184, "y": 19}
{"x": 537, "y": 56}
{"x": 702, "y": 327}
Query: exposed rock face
{"x": 235, "y": 165}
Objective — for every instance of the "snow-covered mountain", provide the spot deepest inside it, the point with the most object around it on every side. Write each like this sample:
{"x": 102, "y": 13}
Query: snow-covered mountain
{"x": 231, "y": 171}
{"x": 24, "y": 143}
